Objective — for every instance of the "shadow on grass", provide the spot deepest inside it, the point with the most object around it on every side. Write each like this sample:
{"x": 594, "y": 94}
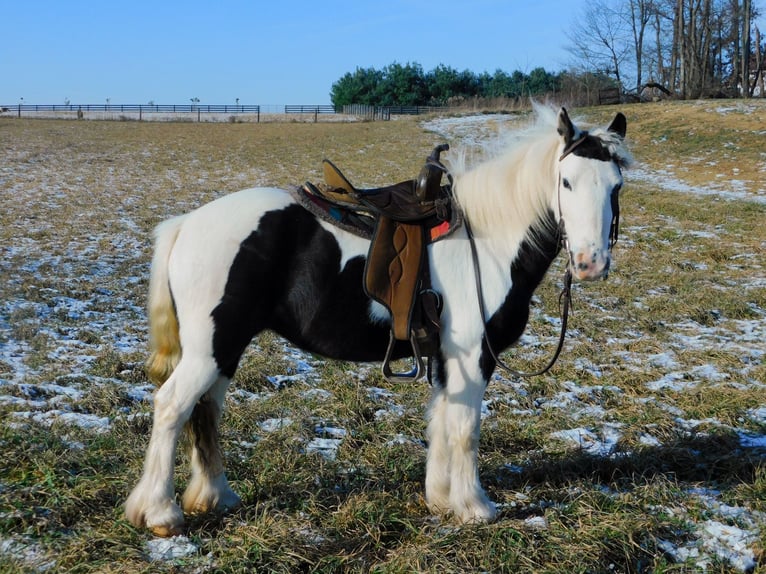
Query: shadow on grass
{"x": 717, "y": 461}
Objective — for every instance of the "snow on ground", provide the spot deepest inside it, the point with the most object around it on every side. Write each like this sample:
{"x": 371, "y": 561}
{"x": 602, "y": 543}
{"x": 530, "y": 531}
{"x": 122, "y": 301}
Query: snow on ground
{"x": 724, "y": 188}
{"x": 730, "y": 533}
{"x": 164, "y": 549}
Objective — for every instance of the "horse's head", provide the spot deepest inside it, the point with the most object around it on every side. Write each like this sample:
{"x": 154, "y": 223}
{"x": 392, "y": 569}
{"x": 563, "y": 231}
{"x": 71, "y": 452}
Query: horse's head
{"x": 587, "y": 200}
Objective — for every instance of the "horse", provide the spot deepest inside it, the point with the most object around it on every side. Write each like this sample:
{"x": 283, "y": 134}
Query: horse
{"x": 256, "y": 259}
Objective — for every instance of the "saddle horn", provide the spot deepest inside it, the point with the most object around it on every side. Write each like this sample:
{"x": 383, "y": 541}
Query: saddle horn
{"x": 429, "y": 181}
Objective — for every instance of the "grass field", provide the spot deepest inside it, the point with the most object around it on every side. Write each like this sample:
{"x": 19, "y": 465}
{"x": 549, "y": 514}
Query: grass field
{"x": 642, "y": 451}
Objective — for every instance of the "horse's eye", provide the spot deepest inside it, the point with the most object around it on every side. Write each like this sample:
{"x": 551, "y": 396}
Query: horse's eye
{"x": 566, "y": 184}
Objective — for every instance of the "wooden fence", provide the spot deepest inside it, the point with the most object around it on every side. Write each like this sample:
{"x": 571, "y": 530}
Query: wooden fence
{"x": 301, "y": 109}
{"x": 139, "y": 111}
{"x": 608, "y": 96}
{"x": 367, "y": 112}
{"x": 385, "y": 112}
{"x": 308, "y": 109}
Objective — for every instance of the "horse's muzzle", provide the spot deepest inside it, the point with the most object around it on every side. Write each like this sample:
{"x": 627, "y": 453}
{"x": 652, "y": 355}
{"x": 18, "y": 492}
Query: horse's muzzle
{"x": 590, "y": 266}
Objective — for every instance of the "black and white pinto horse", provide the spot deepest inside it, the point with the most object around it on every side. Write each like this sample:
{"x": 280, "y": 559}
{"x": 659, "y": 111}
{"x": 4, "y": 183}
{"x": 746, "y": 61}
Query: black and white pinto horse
{"x": 256, "y": 260}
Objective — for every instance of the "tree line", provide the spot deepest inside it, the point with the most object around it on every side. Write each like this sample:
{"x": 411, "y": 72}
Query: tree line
{"x": 408, "y": 85}
{"x": 688, "y": 48}
{"x": 684, "y": 48}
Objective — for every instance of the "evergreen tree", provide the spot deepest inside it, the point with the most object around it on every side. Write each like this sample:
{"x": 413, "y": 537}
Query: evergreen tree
{"x": 408, "y": 85}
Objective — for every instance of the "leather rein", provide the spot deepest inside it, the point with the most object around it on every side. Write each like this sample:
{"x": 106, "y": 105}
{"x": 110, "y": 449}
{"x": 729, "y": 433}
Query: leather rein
{"x": 565, "y": 296}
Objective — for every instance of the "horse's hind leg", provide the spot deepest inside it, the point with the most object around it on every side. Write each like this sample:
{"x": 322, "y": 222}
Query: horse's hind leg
{"x": 151, "y": 502}
{"x": 208, "y": 488}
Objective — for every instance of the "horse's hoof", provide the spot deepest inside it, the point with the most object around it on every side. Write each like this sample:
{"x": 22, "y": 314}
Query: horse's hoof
{"x": 479, "y": 511}
{"x": 166, "y": 531}
{"x": 214, "y": 495}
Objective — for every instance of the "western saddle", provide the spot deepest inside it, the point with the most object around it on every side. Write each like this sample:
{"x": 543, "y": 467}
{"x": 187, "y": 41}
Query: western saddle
{"x": 400, "y": 220}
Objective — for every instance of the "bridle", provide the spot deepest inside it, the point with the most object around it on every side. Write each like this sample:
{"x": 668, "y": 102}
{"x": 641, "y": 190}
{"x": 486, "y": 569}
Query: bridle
{"x": 565, "y": 296}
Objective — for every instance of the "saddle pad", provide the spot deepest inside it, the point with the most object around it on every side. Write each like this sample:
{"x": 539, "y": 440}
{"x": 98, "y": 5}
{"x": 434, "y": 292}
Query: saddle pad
{"x": 336, "y": 214}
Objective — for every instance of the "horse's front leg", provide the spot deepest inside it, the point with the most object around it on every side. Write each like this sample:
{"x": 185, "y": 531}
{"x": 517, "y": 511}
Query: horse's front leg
{"x": 438, "y": 460}
{"x": 452, "y": 474}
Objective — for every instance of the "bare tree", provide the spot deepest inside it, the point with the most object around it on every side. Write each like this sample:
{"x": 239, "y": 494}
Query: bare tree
{"x": 599, "y": 42}
{"x": 700, "y": 47}
{"x": 758, "y": 81}
{"x": 745, "y": 47}
{"x": 639, "y": 15}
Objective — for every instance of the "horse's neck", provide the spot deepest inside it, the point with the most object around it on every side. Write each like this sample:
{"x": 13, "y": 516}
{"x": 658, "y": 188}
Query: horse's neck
{"x": 508, "y": 204}
{"x": 535, "y": 257}
{"x": 507, "y": 197}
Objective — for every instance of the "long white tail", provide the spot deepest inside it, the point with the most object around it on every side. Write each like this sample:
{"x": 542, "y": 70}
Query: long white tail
{"x": 164, "y": 341}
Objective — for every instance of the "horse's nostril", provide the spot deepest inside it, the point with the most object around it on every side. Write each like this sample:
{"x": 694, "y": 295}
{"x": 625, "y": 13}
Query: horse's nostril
{"x": 582, "y": 266}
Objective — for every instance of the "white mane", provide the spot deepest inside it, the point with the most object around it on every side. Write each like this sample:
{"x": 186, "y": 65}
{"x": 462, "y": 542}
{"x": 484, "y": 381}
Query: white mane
{"x": 511, "y": 190}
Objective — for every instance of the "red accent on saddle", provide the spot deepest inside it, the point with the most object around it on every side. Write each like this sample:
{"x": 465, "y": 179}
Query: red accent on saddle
{"x": 441, "y": 229}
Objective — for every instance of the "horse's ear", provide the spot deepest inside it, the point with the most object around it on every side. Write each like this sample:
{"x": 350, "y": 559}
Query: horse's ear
{"x": 566, "y": 128}
{"x": 619, "y": 125}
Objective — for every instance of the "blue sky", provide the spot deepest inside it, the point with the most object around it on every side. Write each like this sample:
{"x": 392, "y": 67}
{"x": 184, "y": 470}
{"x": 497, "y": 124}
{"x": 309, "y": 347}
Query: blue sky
{"x": 274, "y": 52}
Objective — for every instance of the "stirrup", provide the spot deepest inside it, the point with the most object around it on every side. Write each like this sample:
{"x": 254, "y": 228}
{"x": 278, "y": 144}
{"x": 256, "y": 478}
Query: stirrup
{"x": 417, "y": 368}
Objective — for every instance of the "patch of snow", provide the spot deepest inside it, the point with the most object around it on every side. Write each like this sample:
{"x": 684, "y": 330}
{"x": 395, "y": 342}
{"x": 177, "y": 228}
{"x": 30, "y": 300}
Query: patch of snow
{"x": 513, "y": 468}
{"x": 758, "y": 414}
{"x": 663, "y": 360}
{"x": 588, "y": 366}
{"x": 672, "y": 381}
{"x": 330, "y": 431}
{"x": 142, "y": 393}
{"x": 241, "y": 395}
{"x": 730, "y": 544}
{"x": 166, "y": 549}
{"x": 741, "y": 337}
{"x": 649, "y": 440}
{"x": 392, "y": 411}
{"x": 590, "y": 442}
{"x": 471, "y": 130}
{"x": 729, "y": 189}
{"x": 682, "y": 553}
{"x": 26, "y": 552}
{"x": 281, "y": 381}
{"x": 275, "y": 424}
{"x": 82, "y": 420}
{"x": 379, "y": 394}
{"x": 404, "y": 439}
{"x": 311, "y": 536}
{"x": 538, "y": 523}
{"x": 318, "y": 394}
{"x": 327, "y": 448}
{"x": 579, "y": 401}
